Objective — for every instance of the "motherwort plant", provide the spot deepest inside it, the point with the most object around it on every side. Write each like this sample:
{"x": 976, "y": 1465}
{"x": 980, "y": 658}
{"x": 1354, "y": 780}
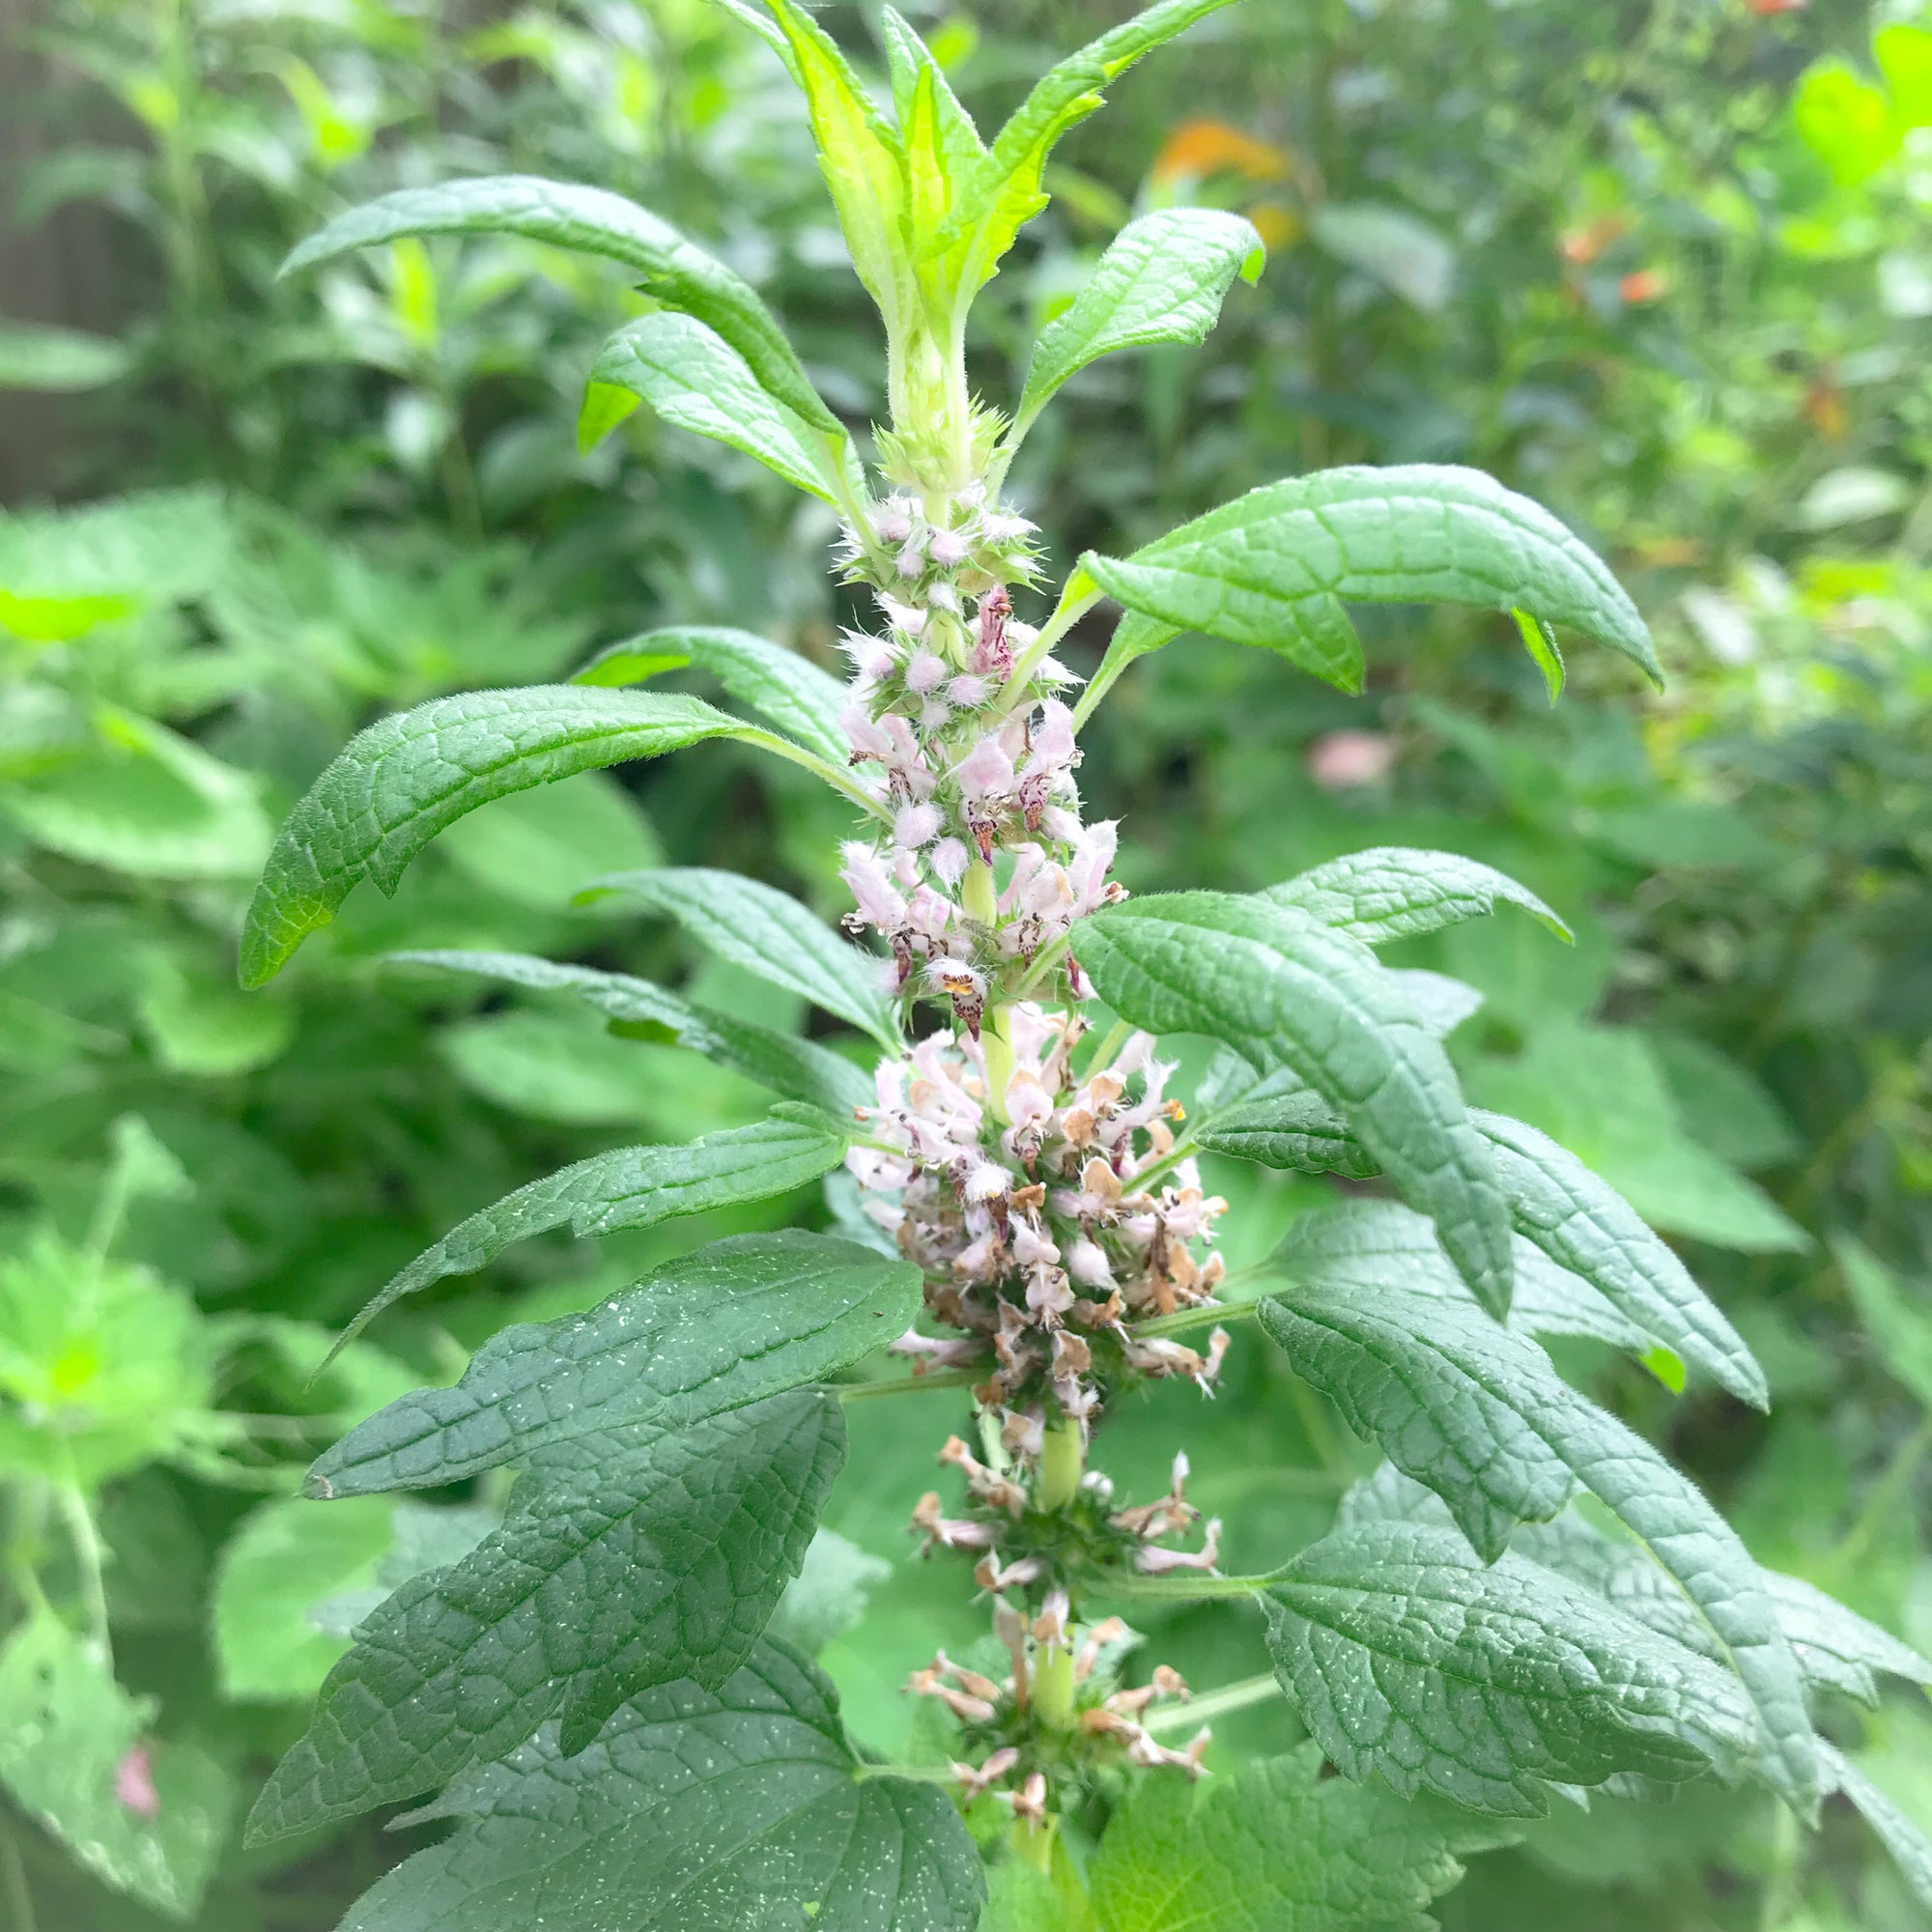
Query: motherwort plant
{"x": 618, "y": 1742}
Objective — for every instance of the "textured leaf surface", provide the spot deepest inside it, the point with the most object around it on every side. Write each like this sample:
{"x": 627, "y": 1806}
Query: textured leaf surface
{"x": 696, "y": 380}
{"x": 727, "y": 1810}
{"x": 599, "y": 222}
{"x": 1162, "y": 279}
{"x": 394, "y": 786}
{"x": 1394, "y": 891}
{"x": 732, "y": 1324}
{"x": 1249, "y": 973}
{"x": 1476, "y": 1414}
{"x": 799, "y": 1070}
{"x": 627, "y": 1187}
{"x": 1270, "y": 567}
{"x": 1276, "y": 1847}
{"x": 782, "y": 687}
{"x": 1412, "y": 1657}
{"x": 769, "y": 934}
{"x": 630, "y": 1558}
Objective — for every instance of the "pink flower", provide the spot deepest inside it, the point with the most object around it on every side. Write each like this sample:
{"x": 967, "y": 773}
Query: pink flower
{"x": 917, "y": 825}
{"x": 871, "y": 886}
{"x": 1345, "y": 760}
{"x": 950, "y": 860}
{"x": 134, "y": 1784}
{"x": 925, "y": 671}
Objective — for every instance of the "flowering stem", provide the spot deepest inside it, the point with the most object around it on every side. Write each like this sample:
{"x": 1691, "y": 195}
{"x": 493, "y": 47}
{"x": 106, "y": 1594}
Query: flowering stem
{"x": 1212, "y": 1704}
{"x": 1062, "y": 1460}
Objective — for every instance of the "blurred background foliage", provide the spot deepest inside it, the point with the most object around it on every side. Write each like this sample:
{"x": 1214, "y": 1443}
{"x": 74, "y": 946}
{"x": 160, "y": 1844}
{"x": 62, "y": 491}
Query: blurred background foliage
{"x": 1666, "y": 266}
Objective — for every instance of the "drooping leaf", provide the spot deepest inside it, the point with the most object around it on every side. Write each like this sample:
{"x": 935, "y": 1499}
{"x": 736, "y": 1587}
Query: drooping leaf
{"x": 1409, "y": 1657}
{"x": 1394, "y": 891}
{"x": 767, "y": 933}
{"x": 1909, "y": 1847}
{"x": 594, "y": 219}
{"x": 694, "y": 1811}
{"x": 1274, "y": 978}
{"x": 738, "y": 1321}
{"x": 1162, "y": 279}
{"x": 627, "y": 1187}
{"x": 73, "y": 1742}
{"x": 1277, "y": 1847}
{"x": 630, "y": 1558}
{"x": 695, "y": 380}
{"x": 1476, "y": 1412}
{"x": 1272, "y": 567}
{"x": 401, "y": 781}
{"x": 797, "y": 1069}
{"x": 782, "y": 687}
{"x": 36, "y": 356}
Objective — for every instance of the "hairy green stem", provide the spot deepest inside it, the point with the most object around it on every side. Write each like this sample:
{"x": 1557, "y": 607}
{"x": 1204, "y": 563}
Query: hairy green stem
{"x": 936, "y": 1379}
{"x": 1211, "y": 1704}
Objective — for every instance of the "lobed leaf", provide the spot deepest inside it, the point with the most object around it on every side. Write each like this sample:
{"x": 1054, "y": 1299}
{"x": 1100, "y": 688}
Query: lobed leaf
{"x": 767, "y": 933}
{"x": 630, "y": 1558}
{"x": 569, "y": 215}
{"x": 395, "y": 785}
{"x": 1272, "y": 567}
{"x": 736, "y": 1321}
{"x": 627, "y": 1187}
{"x": 1476, "y": 1414}
{"x": 799, "y": 1070}
{"x": 782, "y": 687}
{"x": 694, "y": 1810}
{"x": 1395, "y": 892}
{"x": 1274, "y": 978}
{"x": 1162, "y": 279}
{"x": 697, "y": 382}
{"x": 1411, "y": 1657}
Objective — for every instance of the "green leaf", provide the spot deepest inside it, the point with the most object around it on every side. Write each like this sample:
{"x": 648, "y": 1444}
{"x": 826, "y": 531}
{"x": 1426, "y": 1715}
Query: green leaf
{"x": 940, "y": 145}
{"x": 782, "y": 687}
{"x": 769, "y": 934}
{"x": 694, "y": 1811}
{"x": 1395, "y": 892}
{"x": 69, "y": 1734}
{"x": 286, "y": 1558}
{"x": 1277, "y": 1847}
{"x": 863, "y": 164}
{"x": 630, "y": 1558}
{"x": 1909, "y": 1847}
{"x": 1005, "y": 191}
{"x": 410, "y": 774}
{"x": 1901, "y": 1333}
{"x": 798, "y": 1069}
{"x": 1409, "y": 1657}
{"x": 568, "y": 215}
{"x": 1249, "y": 973}
{"x": 1476, "y": 1414}
{"x": 627, "y": 1187}
{"x": 1162, "y": 279}
{"x": 695, "y": 381}
{"x": 1271, "y": 567}
{"x": 736, "y": 1321}
{"x": 73, "y": 569}
{"x": 34, "y": 357}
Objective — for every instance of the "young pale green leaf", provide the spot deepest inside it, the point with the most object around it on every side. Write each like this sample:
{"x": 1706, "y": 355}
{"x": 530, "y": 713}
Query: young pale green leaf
{"x": 942, "y": 145}
{"x": 695, "y": 380}
{"x": 1277, "y": 1847}
{"x": 395, "y": 785}
{"x": 1382, "y": 1244}
{"x": 863, "y": 164}
{"x": 1271, "y": 567}
{"x": 1409, "y": 1657}
{"x": 694, "y": 1810}
{"x": 1626, "y": 1279}
{"x": 1274, "y": 978}
{"x": 1477, "y": 1413}
{"x": 1162, "y": 279}
{"x": 1005, "y": 191}
{"x": 767, "y": 933}
{"x": 1910, "y": 1848}
{"x": 797, "y": 1069}
{"x": 738, "y": 1321}
{"x": 782, "y": 687}
{"x": 627, "y": 1187}
{"x": 1395, "y": 892}
{"x": 676, "y": 271}
{"x": 629, "y": 1557}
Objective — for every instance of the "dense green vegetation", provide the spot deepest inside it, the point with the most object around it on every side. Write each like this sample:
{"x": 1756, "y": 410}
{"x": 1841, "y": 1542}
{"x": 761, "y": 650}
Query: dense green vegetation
{"x": 1664, "y": 268}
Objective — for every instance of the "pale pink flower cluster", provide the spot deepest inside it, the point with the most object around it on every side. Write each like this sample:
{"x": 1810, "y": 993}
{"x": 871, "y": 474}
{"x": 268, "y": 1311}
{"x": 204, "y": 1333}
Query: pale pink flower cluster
{"x": 970, "y": 761}
{"x": 1034, "y": 1236}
